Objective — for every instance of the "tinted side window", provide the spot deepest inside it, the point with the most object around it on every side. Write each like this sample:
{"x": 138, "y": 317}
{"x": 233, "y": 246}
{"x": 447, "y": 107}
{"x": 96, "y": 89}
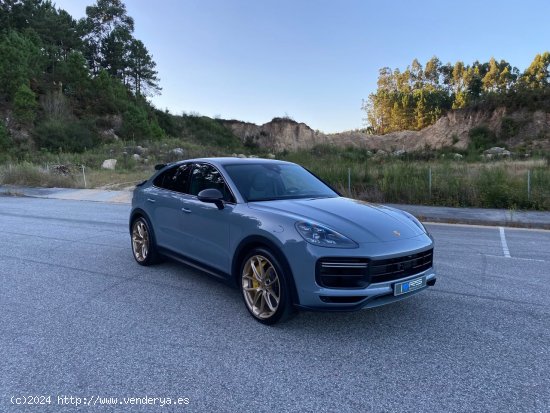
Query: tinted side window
{"x": 205, "y": 177}
{"x": 174, "y": 179}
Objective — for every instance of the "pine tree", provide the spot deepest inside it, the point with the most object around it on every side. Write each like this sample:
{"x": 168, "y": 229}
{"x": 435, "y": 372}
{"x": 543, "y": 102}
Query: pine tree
{"x": 141, "y": 70}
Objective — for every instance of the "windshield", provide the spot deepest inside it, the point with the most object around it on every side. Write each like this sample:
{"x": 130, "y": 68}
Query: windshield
{"x": 271, "y": 181}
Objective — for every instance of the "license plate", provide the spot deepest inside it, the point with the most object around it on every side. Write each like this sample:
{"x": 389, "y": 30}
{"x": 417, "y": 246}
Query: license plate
{"x": 409, "y": 286}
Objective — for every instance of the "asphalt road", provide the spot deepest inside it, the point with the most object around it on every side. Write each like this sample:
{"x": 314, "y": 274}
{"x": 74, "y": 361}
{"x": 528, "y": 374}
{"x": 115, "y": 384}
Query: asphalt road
{"x": 78, "y": 317}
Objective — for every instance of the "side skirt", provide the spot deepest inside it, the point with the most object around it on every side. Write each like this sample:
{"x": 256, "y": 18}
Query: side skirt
{"x": 195, "y": 264}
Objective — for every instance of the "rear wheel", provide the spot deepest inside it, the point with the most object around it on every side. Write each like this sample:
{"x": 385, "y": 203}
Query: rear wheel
{"x": 143, "y": 243}
{"x": 265, "y": 288}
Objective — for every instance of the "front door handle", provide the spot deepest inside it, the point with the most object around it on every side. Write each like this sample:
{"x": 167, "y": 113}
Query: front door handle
{"x": 151, "y": 200}
{"x": 186, "y": 210}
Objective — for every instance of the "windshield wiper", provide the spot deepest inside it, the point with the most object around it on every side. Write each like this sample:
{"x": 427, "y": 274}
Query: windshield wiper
{"x": 282, "y": 198}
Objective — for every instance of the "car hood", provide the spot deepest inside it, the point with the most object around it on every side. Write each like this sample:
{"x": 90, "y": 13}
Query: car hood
{"x": 358, "y": 220}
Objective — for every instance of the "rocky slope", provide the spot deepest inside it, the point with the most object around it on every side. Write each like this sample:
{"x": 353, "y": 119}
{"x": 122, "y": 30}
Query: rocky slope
{"x": 278, "y": 135}
{"x": 514, "y": 129}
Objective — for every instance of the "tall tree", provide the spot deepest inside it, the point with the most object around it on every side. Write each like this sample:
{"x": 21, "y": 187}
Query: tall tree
{"x": 432, "y": 71}
{"x": 107, "y": 31}
{"x": 20, "y": 62}
{"x": 141, "y": 71}
{"x": 537, "y": 75}
{"x": 491, "y": 78}
{"x": 417, "y": 74}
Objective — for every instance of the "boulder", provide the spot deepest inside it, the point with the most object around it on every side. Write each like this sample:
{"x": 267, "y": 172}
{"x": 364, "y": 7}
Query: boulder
{"x": 241, "y": 155}
{"x": 177, "y": 152}
{"x": 497, "y": 151}
{"x": 109, "y": 135}
{"x": 109, "y": 164}
{"x": 137, "y": 157}
{"x": 457, "y": 156}
{"x": 270, "y": 156}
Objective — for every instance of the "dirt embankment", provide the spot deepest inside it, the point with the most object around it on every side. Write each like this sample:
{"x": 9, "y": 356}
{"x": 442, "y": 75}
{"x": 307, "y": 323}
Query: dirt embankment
{"x": 530, "y": 129}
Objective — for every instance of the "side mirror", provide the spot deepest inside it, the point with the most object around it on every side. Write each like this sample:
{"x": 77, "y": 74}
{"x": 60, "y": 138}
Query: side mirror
{"x": 212, "y": 196}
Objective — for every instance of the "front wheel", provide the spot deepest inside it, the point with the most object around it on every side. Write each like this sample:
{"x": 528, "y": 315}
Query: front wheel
{"x": 265, "y": 287}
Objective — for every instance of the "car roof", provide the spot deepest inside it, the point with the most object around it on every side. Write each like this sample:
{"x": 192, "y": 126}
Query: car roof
{"x": 223, "y": 161}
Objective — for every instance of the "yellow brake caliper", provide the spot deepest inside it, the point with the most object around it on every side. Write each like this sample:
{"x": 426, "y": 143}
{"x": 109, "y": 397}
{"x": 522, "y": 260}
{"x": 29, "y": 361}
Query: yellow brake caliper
{"x": 255, "y": 283}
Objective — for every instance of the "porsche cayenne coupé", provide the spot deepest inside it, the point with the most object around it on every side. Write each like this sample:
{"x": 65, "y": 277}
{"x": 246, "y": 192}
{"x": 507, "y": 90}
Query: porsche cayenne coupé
{"x": 283, "y": 236}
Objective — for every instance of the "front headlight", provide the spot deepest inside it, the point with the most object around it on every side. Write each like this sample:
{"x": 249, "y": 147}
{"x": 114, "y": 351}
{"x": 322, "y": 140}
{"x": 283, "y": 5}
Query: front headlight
{"x": 322, "y": 236}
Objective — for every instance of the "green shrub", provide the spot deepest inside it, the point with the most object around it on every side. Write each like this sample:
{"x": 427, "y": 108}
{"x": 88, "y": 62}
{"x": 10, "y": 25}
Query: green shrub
{"x": 209, "y": 132}
{"x": 509, "y": 128}
{"x": 167, "y": 123}
{"x": 138, "y": 126}
{"x": 481, "y": 138}
{"x": 110, "y": 96}
{"x": 5, "y": 142}
{"x": 495, "y": 188}
{"x": 24, "y": 105}
{"x": 66, "y": 136}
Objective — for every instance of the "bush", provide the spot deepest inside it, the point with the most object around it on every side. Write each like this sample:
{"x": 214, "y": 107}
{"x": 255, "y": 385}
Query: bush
{"x": 24, "y": 105}
{"x": 481, "y": 138}
{"x": 209, "y": 132}
{"x": 66, "y": 136}
{"x": 110, "y": 96}
{"x": 166, "y": 122}
{"x": 5, "y": 143}
{"x": 4, "y": 137}
{"x": 509, "y": 128}
{"x": 138, "y": 126}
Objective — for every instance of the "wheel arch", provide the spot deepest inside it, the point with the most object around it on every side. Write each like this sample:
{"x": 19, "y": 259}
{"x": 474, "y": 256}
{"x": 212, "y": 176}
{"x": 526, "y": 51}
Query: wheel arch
{"x": 140, "y": 213}
{"x": 135, "y": 214}
{"x": 257, "y": 241}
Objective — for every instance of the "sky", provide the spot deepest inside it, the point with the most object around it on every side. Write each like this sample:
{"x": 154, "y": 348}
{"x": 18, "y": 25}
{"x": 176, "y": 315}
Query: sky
{"x": 315, "y": 60}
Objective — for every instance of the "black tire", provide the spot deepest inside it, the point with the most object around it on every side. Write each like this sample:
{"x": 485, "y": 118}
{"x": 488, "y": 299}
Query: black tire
{"x": 141, "y": 235}
{"x": 260, "y": 295}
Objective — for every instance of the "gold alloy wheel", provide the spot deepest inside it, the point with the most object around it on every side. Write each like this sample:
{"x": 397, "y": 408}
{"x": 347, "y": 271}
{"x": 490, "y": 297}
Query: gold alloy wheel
{"x": 140, "y": 240}
{"x": 261, "y": 287}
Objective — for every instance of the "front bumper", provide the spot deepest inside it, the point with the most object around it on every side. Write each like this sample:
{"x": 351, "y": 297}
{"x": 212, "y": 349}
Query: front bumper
{"x": 313, "y": 296}
{"x": 373, "y": 296}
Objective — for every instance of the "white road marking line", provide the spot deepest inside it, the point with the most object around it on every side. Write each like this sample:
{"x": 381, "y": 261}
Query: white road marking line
{"x": 446, "y": 224}
{"x": 515, "y": 258}
{"x": 505, "y": 249}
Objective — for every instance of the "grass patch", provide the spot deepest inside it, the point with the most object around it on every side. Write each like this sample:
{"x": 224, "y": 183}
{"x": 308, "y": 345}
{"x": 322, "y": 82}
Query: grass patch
{"x": 465, "y": 183}
{"x": 496, "y": 184}
{"x": 26, "y": 174}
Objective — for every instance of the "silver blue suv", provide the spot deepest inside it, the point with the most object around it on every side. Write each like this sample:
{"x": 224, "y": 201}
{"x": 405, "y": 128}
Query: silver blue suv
{"x": 279, "y": 233}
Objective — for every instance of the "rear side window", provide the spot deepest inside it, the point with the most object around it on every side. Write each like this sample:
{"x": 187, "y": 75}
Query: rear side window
{"x": 174, "y": 179}
{"x": 205, "y": 176}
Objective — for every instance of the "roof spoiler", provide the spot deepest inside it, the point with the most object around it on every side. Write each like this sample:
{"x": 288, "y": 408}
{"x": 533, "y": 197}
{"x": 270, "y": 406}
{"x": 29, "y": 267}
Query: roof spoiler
{"x": 159, "y": 166}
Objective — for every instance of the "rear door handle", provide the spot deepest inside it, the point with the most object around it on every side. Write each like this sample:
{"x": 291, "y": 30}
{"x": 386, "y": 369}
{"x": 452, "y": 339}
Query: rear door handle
{"x": 151, "y": 200}
{"x": 186, "y": 210}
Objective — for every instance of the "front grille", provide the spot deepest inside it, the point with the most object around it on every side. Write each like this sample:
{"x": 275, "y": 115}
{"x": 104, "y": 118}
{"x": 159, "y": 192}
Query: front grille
{"x": 360, "y": 272}
{"x": 342, "y": 273}
{"x": 400, "y": 267}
